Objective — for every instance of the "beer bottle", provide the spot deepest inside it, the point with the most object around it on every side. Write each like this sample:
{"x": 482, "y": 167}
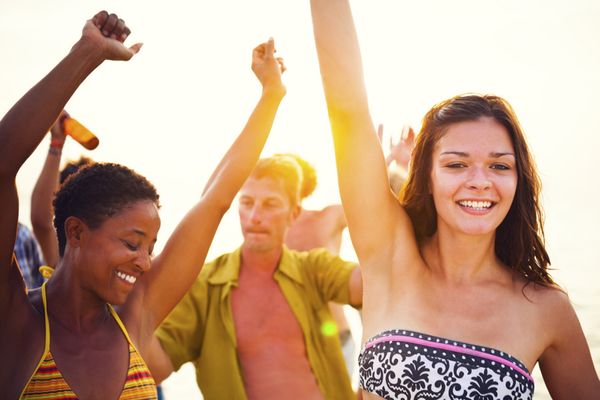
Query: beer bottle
{"x": 83, "y": 135}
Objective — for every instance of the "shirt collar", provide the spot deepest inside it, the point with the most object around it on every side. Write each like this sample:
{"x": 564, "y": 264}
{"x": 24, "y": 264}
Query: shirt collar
{"x": 230, "y": 271}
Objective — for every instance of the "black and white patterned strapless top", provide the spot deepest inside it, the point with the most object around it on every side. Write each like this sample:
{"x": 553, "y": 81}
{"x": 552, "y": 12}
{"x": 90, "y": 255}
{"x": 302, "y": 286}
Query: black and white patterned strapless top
{"x": 405, "y": 365}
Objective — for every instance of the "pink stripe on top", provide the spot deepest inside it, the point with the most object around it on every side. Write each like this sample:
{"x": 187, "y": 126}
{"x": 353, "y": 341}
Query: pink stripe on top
{"x": 448, "y": 347}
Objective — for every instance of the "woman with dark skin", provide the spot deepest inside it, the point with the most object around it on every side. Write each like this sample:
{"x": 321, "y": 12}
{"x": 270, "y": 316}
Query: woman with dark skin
{"x": 455, "y": 275}
{"x": 105, "y": 240}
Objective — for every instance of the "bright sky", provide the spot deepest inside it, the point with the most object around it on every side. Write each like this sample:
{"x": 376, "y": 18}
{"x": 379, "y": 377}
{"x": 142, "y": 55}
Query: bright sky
{"x": 174, "y": 109}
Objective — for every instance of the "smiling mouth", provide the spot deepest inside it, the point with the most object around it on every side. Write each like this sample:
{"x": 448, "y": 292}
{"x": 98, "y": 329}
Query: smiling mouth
{"x": 476, "y": 205}
{"x": 127, "y": 278}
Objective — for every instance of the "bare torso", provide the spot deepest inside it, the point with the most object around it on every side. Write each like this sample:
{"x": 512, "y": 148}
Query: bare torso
{"x": 271, "y": 345}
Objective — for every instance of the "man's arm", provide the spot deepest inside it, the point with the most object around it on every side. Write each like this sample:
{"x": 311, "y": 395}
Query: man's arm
{"x": 355, "y": 286}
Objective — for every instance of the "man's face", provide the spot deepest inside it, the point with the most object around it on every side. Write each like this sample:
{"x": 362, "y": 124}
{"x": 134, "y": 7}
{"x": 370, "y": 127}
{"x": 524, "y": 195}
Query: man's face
{"x": 265, "y": 214}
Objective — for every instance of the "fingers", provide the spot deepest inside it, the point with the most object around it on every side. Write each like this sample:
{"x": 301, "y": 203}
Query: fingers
{"x": 111, "y": 26}
{"x": 411, "y": 135}
{"x": 270, "y": 48}
{"x": 258, "y": 52}
{"x": 281, "y": 64}
{"x": 100, "y": 19}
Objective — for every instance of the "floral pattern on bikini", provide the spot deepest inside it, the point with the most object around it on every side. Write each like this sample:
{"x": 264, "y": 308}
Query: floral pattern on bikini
{"x": 406, "y": 365}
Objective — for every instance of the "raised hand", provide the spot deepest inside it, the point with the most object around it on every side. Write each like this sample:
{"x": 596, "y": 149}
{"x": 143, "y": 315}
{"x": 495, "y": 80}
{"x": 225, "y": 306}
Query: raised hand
{"x": 400, "y": 152}
{"x": 268, "y": 68}
{"x": 108, "y": 32}
{"x": 57, "y": 131}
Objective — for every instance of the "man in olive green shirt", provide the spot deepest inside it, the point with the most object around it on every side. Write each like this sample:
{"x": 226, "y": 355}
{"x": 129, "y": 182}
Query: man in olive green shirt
{"x": 256, "y": 323}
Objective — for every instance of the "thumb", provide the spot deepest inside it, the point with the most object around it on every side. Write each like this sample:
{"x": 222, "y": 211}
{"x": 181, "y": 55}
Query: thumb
{"x": 136, "y": 48}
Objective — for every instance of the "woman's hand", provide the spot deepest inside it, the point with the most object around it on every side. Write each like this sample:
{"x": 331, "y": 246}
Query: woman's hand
{"x": 107, "y": 33}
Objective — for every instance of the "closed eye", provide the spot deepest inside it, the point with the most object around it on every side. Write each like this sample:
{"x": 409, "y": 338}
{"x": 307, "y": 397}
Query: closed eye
{"x": 130, "y": 245}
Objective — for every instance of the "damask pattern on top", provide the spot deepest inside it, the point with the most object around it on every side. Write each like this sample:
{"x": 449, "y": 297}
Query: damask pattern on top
{"x": 406, "y": 365}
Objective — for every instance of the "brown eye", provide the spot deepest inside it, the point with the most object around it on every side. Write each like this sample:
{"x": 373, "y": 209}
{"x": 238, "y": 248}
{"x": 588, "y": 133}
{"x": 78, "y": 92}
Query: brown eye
{"x": 456, "y": 165}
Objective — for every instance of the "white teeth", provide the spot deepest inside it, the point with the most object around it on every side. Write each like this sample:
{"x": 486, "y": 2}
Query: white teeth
{"x": 477, "y": 205}
{"x": 125, "y": 277}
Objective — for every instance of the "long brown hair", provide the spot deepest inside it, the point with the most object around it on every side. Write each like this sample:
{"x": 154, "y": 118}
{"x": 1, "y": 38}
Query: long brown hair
{"x": 519, "y": 242}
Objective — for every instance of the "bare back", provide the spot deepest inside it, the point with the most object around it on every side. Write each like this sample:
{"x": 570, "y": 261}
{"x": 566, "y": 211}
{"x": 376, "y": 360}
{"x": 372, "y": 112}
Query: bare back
{"x": 317, "y": 228}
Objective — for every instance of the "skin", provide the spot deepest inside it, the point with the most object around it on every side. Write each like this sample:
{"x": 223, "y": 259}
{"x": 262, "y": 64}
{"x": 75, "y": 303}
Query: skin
{"x": 262, "y": 315}
{"x": 265, "y": 216}
{"x": 85, "y": 338}
{"x": 454, "y": 275}
{"x": 41, "y": 197}
{"x": 271, "y": 345}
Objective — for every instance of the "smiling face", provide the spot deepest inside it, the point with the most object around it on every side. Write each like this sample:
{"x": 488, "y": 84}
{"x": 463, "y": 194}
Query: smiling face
{"x": 118, "y": 252}
{"x": 265, "y": 214}
{"x": 473, "y": 177}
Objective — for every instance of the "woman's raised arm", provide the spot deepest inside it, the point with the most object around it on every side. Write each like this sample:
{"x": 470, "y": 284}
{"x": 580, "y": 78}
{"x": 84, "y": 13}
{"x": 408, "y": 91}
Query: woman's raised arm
{"x": 27, "y": 122}
{"x": 375, "y": 220}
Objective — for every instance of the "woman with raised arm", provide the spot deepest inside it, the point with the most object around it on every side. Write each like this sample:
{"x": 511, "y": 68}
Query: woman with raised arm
{"x": 458, "y": 302}
{"x": 65, "y": 340}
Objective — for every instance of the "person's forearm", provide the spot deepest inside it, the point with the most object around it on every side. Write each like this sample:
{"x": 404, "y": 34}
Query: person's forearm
{"x": 36, "y": 111}
{"x": 339, "y": 56}
{"x": 241, "y": 158}
{"x": 41, "y": 205}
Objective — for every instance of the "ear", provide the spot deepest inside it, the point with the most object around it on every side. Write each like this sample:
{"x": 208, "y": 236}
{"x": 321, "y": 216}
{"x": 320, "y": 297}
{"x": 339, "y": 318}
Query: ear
{"x": 295, "y": 213}
{"x": 74, "y": 230}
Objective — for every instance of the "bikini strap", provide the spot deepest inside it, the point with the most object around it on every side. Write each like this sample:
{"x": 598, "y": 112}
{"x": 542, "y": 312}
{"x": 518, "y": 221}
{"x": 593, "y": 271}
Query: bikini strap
{"x": 116, "y": 317}
{"x": 46, "y": 323}
{"x": 46, "y": 341}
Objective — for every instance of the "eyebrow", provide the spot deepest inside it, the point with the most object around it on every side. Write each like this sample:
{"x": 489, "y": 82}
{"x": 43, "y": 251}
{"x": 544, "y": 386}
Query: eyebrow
{"x": 139, "y": 232}
{"x": 464, "y": 154}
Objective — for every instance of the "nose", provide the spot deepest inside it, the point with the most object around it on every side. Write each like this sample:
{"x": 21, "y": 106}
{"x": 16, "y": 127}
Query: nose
{"x": 143, "y": 261}
{"x": 255, "y": 215}
{"x": 479, "y": 179}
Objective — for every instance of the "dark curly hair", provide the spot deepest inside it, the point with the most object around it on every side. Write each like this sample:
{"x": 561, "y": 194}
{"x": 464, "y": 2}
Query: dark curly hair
{"x": 97, "y": 192}
{"x": 520, "y": 237}
{"x": 72, "y": 167}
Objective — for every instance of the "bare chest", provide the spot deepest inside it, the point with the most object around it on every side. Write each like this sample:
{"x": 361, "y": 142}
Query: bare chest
{"x": 270, "y": 343}
{"x": 94, "y": 367}
{"x": 263, "y": 318}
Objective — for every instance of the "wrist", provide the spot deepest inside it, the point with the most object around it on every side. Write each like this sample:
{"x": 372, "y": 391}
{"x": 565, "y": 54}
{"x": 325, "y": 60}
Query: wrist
{"x": 56, "y": 146}
{"x": 276, "y": 91}
{"x": 55, "y": 151}
{"x": 89, "y": 52}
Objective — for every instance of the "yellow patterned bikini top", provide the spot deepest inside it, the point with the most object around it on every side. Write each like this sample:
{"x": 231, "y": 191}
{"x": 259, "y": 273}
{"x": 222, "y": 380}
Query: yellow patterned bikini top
{"x": 47, "y": 383}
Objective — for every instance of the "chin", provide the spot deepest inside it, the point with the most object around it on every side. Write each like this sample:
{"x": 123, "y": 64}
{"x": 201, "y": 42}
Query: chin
{"x": 478, "y": 230}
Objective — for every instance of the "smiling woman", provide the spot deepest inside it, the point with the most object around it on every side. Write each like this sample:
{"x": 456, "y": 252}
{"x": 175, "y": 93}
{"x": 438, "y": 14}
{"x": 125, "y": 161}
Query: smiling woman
{"x": 458, "y": 301}
{"x": 60, "y": 339}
